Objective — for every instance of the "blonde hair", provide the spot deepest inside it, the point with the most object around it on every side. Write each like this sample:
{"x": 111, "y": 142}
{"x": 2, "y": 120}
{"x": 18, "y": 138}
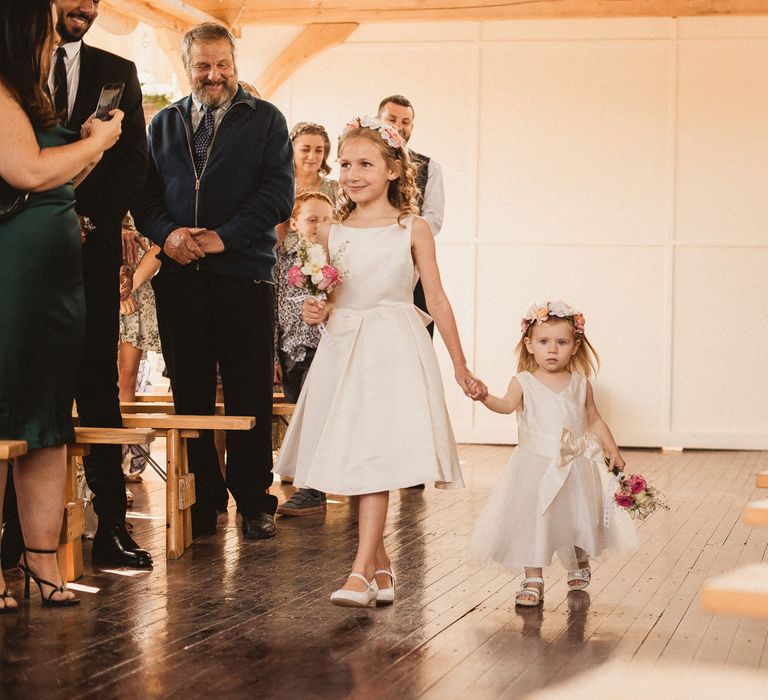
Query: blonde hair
{"x": 305, "y": 197}
{"x": 585, "y": 361}
{"x": 401, "y": 192}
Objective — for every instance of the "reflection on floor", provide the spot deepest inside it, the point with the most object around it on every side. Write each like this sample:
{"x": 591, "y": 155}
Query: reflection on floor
{"x": 252, "y": 619}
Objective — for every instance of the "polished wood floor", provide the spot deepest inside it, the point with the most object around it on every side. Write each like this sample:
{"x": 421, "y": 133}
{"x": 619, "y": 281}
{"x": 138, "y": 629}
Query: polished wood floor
{"x": 233, "y": 619}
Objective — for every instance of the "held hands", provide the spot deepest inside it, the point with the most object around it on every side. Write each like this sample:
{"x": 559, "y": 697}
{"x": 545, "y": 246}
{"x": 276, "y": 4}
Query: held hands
{"x": 315, "y": 311}
{"x": 471, "y": 385}
{"x": 186, "y": 244}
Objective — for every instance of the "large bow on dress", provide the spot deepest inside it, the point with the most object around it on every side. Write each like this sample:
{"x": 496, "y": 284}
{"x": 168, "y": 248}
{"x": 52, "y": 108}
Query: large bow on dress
{"x": 571, "y": 447}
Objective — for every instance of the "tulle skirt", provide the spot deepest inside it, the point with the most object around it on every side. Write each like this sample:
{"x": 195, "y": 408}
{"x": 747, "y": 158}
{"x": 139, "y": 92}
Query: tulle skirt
{"x": 512, "y": 531}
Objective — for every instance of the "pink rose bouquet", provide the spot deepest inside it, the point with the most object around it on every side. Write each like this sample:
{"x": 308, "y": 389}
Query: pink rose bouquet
{"x": 636, "y": 495}
{"x": 313, "y": 272}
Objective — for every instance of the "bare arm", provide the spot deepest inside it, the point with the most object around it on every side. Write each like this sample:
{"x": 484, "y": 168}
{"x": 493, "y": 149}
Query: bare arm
{"x": 26, "y": 166}
{"x": 596, "y": 425}
{"x": 147, "y": 267}
{"x": 423, "y": 246}
{"x": 510, "y": 402}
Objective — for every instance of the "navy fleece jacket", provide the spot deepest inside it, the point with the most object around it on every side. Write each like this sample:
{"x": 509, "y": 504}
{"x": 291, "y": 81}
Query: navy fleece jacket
{"x": 245, "y": 189}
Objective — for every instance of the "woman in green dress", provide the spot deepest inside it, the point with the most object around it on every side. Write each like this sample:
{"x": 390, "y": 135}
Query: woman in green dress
{"x": 42, "y": 311}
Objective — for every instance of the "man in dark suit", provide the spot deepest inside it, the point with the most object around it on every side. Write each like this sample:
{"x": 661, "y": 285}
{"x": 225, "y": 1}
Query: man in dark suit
{"x": 104, "y": 197}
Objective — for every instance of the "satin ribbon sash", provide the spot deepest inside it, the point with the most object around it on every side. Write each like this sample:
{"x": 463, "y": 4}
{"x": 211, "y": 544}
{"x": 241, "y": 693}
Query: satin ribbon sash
{"x": 562, "y": 454}
{"x": 345, "y": 313}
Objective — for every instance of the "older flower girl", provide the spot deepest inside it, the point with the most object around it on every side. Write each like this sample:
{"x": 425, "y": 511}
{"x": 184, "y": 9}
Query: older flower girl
{"x": 372, "y": 416}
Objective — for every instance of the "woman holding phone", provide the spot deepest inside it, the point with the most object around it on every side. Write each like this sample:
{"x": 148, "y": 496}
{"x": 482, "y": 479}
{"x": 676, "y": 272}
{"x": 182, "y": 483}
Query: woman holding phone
{"x": 42, "y": 312}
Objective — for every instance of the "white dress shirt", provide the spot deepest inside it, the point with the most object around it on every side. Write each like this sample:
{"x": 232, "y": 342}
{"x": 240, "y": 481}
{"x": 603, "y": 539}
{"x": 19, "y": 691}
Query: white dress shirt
{"x": 433, "y": 206}
{"x": 72, "y": 64}
{"x": 197, "y": 113}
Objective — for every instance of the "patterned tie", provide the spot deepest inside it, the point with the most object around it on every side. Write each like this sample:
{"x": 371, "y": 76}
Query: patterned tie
{"x": 60, "y": 97}
{"x": 202, "y": 139}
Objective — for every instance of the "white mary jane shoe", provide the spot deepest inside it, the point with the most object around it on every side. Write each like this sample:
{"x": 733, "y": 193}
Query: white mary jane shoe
{"x": 357, "y": 599}
{"x": 386, "y": 596}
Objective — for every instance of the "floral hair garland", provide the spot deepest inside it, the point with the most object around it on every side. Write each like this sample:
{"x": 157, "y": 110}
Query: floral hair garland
{"x": 539, "y": 313}
{"x": 389, "y": 134}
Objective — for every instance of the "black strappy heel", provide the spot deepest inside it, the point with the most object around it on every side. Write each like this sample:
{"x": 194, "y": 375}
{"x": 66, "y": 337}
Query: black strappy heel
{"x": 47, "y": 601}
{"x": 5, "y": 610}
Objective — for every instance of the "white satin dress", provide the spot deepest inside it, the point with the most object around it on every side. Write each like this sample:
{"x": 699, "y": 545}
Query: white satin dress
{"x": 372, "y": 416}
{"x": 556, "y": 494}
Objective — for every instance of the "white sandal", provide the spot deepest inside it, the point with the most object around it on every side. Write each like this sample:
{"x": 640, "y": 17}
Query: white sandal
{"x": 386, "y": 596}
{"x": 526, "y": 590}
{"x": 582, "y": 578}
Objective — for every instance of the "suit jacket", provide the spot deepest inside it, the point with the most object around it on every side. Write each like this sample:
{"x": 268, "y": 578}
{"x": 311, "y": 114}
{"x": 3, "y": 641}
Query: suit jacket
{"x": 113, "y": 186}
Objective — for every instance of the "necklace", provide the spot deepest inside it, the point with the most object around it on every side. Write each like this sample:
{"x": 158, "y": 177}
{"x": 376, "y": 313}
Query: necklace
{"x": 301, "y": 189}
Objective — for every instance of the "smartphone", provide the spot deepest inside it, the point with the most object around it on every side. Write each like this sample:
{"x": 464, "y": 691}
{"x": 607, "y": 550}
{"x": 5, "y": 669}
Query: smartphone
{"x": 109, "y": 99}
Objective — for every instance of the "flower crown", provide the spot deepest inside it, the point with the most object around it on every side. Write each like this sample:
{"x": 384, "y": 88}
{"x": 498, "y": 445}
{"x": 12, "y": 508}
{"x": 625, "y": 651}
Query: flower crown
{"x": 538, "y": 313}
{"x": 389, "y": 134}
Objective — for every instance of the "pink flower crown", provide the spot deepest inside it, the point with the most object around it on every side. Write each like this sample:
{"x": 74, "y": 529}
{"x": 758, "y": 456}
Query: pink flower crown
{"x": 538, "y": 313}
{"x": 389, "y": 134}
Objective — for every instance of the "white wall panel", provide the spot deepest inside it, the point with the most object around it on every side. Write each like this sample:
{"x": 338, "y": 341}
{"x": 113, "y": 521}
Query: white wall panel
{"x": 620, "y": 164}
{"x": 720, "y": 382}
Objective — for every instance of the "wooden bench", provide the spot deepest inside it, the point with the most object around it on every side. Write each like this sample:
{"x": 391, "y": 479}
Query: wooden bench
{"x": 166, "y": 407}
{"x": 762, "y": 480}
{"x": 12, "y": 448}
{"x": 180, "y": 484}
{"x": 756, "y": 513}
{"x": 743, "y": 591}
{"x": 662, "y": 681}
{"x": 70, "y": 551}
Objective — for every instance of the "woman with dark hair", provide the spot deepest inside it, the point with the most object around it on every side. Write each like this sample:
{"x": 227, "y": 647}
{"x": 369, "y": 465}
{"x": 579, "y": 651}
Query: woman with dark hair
{"x": 311, "y": 148}
{"x": 42, "y": 311}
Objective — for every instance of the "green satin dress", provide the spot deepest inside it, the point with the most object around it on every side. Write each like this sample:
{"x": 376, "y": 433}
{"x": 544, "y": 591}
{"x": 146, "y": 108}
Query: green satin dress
{"x": 42, "y": 314}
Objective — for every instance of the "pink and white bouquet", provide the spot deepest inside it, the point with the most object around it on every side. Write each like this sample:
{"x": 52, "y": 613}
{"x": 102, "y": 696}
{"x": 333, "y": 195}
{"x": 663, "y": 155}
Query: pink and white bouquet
{"x": 636, "y": 495}
{"x": 313, "y": 271}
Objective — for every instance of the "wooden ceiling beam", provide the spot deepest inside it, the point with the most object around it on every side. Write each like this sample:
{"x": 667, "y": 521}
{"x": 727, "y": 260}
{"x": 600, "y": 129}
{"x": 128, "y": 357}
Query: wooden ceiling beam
{"x": 336, "y": 11}
{"x": 141, "y": 11}
{"x": 314, "y": 39}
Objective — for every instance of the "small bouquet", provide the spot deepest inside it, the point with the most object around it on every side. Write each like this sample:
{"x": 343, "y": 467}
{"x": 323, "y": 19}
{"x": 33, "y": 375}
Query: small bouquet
{"x": 636, "y": 495}
{"x": 314, "y": 273}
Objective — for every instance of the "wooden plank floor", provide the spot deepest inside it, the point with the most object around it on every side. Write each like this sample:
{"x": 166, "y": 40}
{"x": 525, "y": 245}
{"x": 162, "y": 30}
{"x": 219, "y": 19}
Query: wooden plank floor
{"x": 232, "y": 619}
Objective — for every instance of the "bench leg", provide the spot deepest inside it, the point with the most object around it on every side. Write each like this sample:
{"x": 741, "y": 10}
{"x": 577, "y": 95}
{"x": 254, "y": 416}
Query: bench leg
{"x": 70, "y": 550}
{"x": 187, "y": 512}
{"x": 174, "y": 539}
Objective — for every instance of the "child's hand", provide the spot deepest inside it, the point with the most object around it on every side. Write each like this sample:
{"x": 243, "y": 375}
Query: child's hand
{"x": 128, "y": 306}
{"x": 470, "y": 385}
{"x": 277, "y": 377}
{"x": 478, "y": 391}
{"x": 615, "y": 460}
{"x": 315, "y": 311}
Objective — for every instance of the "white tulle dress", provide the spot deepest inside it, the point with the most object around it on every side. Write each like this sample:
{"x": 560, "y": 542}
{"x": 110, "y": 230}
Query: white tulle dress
{"x": 372, "y": 416}
{"x": 556, "y": 494}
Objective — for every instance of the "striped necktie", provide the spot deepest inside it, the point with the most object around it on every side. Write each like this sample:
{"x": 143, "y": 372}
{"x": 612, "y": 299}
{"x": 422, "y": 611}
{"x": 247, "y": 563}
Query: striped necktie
{"x": 202, "y": 139}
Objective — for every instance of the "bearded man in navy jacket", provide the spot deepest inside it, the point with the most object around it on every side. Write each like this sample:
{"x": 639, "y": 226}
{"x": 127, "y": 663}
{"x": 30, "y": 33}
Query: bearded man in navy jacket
{"x": 220, "y": 178}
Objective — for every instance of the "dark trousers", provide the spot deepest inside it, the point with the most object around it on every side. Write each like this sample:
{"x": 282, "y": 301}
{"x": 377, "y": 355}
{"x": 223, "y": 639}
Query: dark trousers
{"x": 98, "y": 402}
{"x": 207, "y": 318}
{"x": 294, "y": 373}
{"x": 421, "y": 302}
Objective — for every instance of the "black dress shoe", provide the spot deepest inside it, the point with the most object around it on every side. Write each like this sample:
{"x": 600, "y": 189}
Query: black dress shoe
{"x": 260, "y": 526}
{"x": 113, "y": 546}
{"x": 203, "y": 521}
